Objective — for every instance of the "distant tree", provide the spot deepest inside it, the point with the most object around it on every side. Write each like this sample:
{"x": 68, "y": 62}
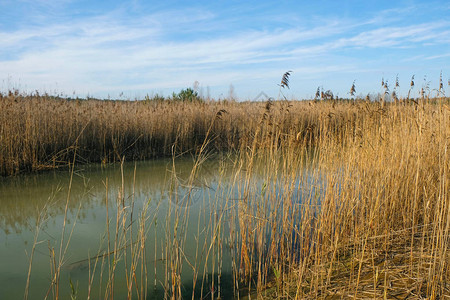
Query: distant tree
{"x": 188, "y": 95}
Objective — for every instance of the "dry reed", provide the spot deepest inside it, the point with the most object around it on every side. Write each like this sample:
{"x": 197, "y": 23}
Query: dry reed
{"x": 325, "y": 199}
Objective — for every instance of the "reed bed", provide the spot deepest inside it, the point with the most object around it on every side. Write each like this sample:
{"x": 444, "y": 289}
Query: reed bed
{"x": 43, "y": 132}
{"x": 324, "y": 199}
{"x": 372, "y": 216}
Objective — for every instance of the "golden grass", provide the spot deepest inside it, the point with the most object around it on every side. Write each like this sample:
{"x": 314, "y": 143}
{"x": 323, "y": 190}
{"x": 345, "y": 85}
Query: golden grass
{"x": 373, "y": 216}
{"x": 41, "y": 132}
{"x": 334, "y": 199}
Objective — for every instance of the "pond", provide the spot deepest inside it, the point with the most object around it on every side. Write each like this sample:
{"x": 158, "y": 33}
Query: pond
{"x": 34, "y": 206}
{"x": 157, "y": 226}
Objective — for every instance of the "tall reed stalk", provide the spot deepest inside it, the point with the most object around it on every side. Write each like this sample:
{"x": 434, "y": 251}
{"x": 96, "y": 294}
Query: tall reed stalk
{"x": 321, "y": 199}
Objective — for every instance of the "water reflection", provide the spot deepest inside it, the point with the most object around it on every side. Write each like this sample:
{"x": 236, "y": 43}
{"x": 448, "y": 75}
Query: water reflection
{"x": 160, "y": 186}
{"x": 25, "y": 198}
{"x": 22, "y": 198}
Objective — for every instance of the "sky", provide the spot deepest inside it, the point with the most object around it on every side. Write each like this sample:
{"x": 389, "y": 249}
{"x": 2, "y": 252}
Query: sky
{"x": 130, "y": 49}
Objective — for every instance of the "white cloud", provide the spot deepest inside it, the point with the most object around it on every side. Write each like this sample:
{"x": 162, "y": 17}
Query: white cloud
{"x": 111, "y": 52}
{"x": 437, "y": 56}
{"x": 397, "y": 36}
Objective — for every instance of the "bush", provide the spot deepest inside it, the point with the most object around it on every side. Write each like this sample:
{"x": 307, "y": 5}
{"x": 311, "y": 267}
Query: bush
{"x": 188, "y": 95}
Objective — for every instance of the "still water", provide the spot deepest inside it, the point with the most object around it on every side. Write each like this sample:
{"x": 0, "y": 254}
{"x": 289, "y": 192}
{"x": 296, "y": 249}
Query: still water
{"x": 33, "y": 206}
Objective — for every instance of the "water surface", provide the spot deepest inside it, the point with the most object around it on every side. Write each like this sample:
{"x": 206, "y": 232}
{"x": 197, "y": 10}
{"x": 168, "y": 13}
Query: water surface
{"x": 38, "y": 201}
{"x": 182, "y": 215}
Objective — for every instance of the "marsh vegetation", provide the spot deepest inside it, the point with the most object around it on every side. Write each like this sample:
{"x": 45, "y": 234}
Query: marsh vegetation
{"x": 310, "y": 199}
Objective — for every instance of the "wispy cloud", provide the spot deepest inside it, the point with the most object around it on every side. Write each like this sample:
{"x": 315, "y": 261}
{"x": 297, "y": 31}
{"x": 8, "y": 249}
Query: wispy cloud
{"x": 395, "y": 36}
{"x": 171, "y": 48}
{"x": 437, "y": 56}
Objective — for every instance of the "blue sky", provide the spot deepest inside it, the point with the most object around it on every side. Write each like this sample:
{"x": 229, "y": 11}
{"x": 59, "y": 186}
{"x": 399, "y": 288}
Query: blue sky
{"x": 132, "y": 48}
